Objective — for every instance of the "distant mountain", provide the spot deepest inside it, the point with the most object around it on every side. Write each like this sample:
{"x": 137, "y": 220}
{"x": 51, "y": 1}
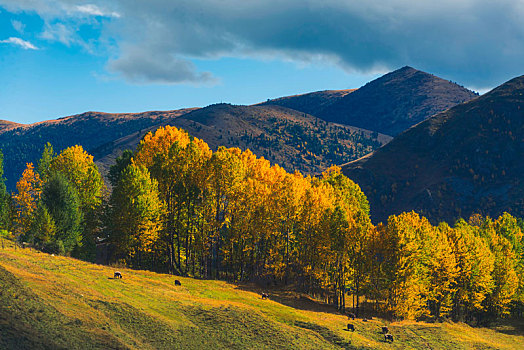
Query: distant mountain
{"x": 389, "y": 104}
{"x": 295, "y": 140}
{"x": 469, "y": 159}
{"x": 7, "y": 125}
{"x": 24, "y": 143}
{"x": 311, "y": 103}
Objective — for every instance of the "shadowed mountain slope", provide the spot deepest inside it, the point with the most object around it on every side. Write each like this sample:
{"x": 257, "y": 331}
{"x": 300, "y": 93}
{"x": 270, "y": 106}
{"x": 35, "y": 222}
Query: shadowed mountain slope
{"x": 466, "y": 160}
{"x": 389, "y": 104}
{"x": 311, "y": 103}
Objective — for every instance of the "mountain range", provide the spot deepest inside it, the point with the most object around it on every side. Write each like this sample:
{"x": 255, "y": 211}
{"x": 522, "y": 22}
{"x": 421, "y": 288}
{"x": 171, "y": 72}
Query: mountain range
{"x": 454, "y": 153}
{"x": 242, "y": 126}
{"x": 466, "y": 160}
{"x": 388, "y": 105}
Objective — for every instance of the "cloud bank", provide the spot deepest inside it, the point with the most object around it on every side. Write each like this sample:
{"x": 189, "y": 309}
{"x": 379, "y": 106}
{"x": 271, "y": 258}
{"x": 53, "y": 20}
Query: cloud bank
{"x": 475, "y": 42}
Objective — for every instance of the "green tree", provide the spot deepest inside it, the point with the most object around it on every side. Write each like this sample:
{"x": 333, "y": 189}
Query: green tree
{"x": 44, "y": 165}
{"x": 78, "y": 167}
{"x": 63, "y": 204}
{"x": 4, "y": 198}
{"x": 43, "y": 229}
{"x": 121, "y": 163}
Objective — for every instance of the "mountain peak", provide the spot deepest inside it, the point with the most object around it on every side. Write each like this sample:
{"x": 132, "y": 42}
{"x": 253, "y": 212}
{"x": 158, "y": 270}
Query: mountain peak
{"x": 396, "y": 101}
{"x": 465, "y": 160}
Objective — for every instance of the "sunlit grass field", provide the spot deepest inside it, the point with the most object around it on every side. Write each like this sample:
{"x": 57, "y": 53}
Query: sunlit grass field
{"x": 52, "y": 302}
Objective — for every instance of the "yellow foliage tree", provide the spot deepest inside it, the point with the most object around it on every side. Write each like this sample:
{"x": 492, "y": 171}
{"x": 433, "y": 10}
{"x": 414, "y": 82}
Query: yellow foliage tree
{"x": 29, "y": 188}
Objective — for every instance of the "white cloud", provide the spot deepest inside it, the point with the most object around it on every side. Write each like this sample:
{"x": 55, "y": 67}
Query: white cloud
{"x": 59, "y": 32}
{"x": 26, "y": 45}
{"x": 93, "y": 10}
{"x": 18, "y": 26}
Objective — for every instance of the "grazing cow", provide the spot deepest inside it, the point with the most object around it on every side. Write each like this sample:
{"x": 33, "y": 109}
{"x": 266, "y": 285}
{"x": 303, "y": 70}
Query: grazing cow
{"x": 118, "y": 274}
{"x": 385, "y": 330}
{"x": 351, "y": 327}
{"x": 351, "y": 316}
{"x": 177, "y": 283}
{"x": 388, "y": 337}
{"x": 265, "y": 296}
{"x": 364, "y": 320}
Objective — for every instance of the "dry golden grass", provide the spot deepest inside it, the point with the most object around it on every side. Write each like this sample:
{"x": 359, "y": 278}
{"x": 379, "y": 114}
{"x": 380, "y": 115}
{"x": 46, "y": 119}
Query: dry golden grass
{"x": 74, "y": 304}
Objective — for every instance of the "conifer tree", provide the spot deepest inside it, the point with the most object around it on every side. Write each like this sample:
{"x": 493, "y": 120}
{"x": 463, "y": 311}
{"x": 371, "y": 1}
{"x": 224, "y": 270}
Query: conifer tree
{"x": 64, "y": 206}
{"x": 4, "y": 198}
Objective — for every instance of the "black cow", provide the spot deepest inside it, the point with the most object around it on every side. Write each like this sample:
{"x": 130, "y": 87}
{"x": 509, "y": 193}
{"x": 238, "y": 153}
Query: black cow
{"x": 177, "y": 283}
{"x": 351, "y": 316}
{"x": 351, "y": 327}
{"x": 388, "y": 337}
{"x": 118, "y": 274}
{"x": 385, "y": 330}
{"x": 265, "y": 296}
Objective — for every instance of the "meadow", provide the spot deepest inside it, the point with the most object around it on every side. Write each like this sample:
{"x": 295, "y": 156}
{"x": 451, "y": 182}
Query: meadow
{"x": 56, "y": 302}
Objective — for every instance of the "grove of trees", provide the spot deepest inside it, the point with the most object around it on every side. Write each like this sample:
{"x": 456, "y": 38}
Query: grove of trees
{"x": 178, "y": 207}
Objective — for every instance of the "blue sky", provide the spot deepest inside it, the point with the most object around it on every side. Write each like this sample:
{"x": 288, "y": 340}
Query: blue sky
{"x": 63, "y": 57}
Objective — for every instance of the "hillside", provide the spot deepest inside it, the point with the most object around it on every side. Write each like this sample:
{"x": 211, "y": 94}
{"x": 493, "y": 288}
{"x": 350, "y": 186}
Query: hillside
{"x": 463, "y": 161}
{"x": 295, "y": 140}
{"x": 311, "y": 103}
{"x": 292, "y": 139}
{"x": 389, "y": 104}
{"x": 25, "y": 143}
{"x": 52, "y": 302}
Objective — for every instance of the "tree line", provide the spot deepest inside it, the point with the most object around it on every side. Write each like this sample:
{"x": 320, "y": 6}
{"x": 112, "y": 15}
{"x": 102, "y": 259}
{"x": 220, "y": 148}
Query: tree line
{"x": 178, "y": 207}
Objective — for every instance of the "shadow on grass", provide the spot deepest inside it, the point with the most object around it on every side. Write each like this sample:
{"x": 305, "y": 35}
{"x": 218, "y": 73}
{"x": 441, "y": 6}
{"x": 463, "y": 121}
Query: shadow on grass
{"x": 509, "y": 327}
{"x": 290, "y": 298}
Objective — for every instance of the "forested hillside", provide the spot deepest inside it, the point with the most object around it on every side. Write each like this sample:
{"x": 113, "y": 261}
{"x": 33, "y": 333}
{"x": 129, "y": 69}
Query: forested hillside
{"x": 311, "y": 103}
{"x": 21, "y": 144}
{"x": 294, "y": 140}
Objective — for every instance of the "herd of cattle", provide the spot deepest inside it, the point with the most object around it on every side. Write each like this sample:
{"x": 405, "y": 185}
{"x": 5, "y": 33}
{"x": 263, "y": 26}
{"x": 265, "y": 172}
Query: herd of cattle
{"x": 388, "y": 337}
{"x": 350, "y": 327}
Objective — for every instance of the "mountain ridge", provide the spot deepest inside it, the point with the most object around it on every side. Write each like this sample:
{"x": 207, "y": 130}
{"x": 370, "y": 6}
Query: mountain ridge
{"x": 462, "y": 161}
{"x": 389, "y": 104}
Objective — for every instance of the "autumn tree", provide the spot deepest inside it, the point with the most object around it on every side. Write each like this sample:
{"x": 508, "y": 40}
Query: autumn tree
{"x": 136, "y": 213}
{"x": 78, "y": 167}
{"x": 475, "y": 262}
{"x": 26, "y": 199}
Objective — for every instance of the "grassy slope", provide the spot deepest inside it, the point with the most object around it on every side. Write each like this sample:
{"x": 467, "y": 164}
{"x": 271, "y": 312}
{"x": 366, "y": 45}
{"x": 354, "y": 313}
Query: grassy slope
{"x": 49, "y": 302}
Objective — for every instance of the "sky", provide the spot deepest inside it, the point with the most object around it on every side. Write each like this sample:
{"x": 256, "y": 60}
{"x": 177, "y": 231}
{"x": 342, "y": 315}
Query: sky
{"x": 64, "y": 57}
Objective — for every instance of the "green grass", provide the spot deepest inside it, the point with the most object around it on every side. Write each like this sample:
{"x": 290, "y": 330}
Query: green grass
{"x": 51, "y": 302}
